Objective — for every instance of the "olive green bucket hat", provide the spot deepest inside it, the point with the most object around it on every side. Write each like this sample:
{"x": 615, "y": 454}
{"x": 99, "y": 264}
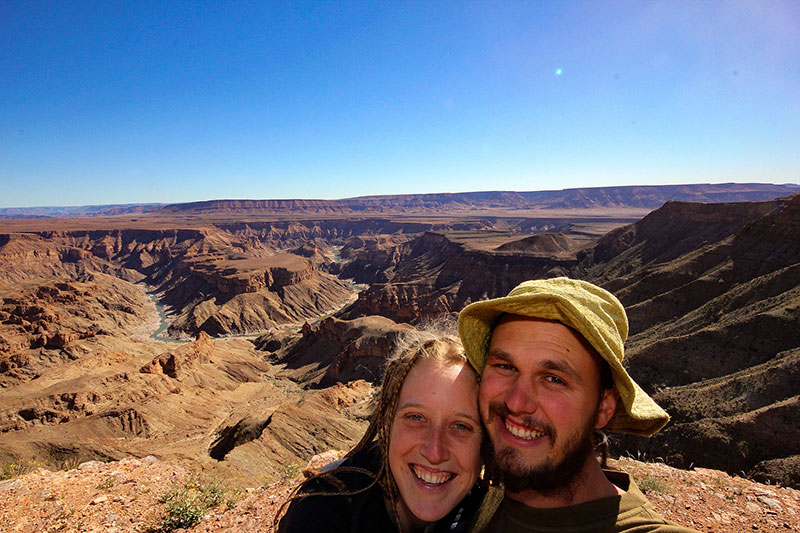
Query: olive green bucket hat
{"x": 594, "y": 313}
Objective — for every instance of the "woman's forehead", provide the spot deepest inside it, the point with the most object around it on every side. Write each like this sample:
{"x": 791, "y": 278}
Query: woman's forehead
{"x": 429, "y": 379}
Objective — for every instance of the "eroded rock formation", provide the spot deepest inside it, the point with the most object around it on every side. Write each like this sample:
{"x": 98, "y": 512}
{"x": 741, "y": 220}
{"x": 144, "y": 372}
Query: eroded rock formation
{"x": 711, "y": 290}
{"x": 433, "y": 275}
{"x": 339, "y": 351}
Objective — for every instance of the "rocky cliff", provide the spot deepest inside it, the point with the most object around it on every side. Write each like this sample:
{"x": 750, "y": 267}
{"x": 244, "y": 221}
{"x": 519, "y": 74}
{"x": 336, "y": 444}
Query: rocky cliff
{"x": 39, "y": 321}
{"x": 337, "y": 351}
{"x": 433, "y": 275}
{"x": 713, "y": 297}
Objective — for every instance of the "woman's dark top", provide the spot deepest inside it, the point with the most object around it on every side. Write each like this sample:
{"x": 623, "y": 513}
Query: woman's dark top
{"x": 365, "y": 511}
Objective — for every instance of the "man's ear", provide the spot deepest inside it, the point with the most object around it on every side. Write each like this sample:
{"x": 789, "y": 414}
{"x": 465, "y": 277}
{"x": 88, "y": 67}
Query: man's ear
{"x": 607, "y": 407}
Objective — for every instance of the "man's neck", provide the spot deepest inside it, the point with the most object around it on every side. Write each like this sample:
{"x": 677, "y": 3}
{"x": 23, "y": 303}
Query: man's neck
{"x": 589, "y": 485}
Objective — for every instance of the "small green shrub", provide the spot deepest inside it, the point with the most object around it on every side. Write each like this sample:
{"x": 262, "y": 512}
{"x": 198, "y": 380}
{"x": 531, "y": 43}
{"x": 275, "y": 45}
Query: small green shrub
{"x": 187, "y": 504}
{"x": 70, "y": 463}
{"x": 106, "y": 484}
{"x": 290, "y": 471}
{"x": 217, "y": 493}
{"x": 652, "y": 484}
{"x": 184, "y": 509}
{"x": 19, "y": 468}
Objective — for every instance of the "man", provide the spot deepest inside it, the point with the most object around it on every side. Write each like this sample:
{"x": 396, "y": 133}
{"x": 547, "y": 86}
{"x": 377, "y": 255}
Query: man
{"x": 550, "y": 354}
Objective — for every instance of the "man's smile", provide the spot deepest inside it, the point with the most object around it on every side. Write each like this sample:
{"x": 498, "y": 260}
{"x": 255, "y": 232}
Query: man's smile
{"x": 521, "y": 431}
{"x": 519, "y": 428}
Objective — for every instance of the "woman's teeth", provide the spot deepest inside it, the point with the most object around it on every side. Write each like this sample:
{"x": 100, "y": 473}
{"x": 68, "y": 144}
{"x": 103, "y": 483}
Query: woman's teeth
{"x": 431, "y": 478}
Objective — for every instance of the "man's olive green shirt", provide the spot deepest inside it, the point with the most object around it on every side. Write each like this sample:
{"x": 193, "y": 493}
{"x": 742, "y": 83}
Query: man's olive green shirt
{"x": 628, "y": 512}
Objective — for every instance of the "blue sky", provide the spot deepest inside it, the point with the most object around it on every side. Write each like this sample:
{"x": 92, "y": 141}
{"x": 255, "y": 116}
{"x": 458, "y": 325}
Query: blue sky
{"x": 129, "y": 102}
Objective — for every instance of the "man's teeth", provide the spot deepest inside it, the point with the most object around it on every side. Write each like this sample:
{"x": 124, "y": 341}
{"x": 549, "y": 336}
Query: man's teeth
{"x": 522, "y": 433}
{"x": 432, "y": 479}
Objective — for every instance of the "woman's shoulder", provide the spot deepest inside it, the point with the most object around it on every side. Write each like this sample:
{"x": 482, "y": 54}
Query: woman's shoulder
{"x": 344, "y": 498}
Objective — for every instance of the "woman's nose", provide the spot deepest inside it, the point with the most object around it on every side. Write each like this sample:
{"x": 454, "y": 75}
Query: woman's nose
{"x": 434, "y": 449}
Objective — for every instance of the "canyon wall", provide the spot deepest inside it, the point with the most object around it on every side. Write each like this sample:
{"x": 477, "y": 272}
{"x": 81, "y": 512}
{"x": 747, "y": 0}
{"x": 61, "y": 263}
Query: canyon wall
{"x": 712, "y": 293}
{"x": 713, "y": 297}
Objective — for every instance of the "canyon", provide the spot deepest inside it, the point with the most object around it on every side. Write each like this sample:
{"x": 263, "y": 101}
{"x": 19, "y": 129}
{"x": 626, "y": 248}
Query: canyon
{"x": 280, "y": 314}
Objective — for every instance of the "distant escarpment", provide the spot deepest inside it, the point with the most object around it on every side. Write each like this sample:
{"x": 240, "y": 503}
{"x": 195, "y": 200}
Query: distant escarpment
{"x": 432, "y": 275}
{"x": 713, "y": 298}
{"x": 550, "y": 244}
{"x": 644, "y": 197}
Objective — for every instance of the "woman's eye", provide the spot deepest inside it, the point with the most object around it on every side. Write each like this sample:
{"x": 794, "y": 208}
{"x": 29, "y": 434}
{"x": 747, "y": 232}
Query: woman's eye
{"x": 415, "y": 417}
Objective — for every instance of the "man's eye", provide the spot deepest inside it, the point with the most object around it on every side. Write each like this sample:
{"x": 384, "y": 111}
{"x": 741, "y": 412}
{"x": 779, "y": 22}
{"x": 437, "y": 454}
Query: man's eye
{"x": 501, "y": 366}
{"x": 462, "y": 426}
{"x": 556, "y": 380}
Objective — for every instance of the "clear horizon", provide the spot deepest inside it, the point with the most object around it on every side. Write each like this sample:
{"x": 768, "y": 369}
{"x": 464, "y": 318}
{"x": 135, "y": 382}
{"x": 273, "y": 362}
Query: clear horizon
{"x": 177, "y": 102}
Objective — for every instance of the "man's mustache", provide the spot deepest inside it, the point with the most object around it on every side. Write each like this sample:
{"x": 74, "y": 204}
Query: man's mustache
{"x": 499, "y": 408}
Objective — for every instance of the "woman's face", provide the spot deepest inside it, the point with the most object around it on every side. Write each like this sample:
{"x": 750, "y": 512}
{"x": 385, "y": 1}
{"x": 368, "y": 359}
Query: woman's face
{"x": 435, "y": 440}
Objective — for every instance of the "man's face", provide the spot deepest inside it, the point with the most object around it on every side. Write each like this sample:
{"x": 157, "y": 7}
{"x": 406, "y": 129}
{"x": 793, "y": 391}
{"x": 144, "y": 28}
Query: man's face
{"x": 540, "y": 398}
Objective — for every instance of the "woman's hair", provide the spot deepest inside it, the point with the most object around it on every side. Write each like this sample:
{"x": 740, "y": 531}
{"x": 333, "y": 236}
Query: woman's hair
{"x": 434, "y": 342}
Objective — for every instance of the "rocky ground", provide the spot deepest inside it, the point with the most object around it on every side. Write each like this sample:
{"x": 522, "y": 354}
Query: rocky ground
{"x": 128, "y": 495}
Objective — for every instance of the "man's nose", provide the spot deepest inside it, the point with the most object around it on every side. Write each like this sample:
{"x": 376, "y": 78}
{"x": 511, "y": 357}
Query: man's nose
{"x": 520, "y": 398}
{"x": 434, "y": 448}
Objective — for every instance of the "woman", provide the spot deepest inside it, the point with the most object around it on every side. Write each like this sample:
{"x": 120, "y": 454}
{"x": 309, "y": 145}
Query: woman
{"x": 417, "y": 465}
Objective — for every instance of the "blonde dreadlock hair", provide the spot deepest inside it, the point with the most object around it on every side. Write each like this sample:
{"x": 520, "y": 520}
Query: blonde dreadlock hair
{"x": 434, "y": 342}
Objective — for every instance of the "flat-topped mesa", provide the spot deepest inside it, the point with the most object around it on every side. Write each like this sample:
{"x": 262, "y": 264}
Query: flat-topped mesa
{"x": 550, "y": 244}
{"x": 279, "y": 277}
{"x": 240, "y": 275}
{"x": 647, "y": 196}
{"x": 293, "y": 233}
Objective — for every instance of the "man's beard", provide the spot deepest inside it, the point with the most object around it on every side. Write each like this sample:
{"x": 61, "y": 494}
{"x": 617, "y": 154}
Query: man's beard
{"x": 549, "y": 477}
